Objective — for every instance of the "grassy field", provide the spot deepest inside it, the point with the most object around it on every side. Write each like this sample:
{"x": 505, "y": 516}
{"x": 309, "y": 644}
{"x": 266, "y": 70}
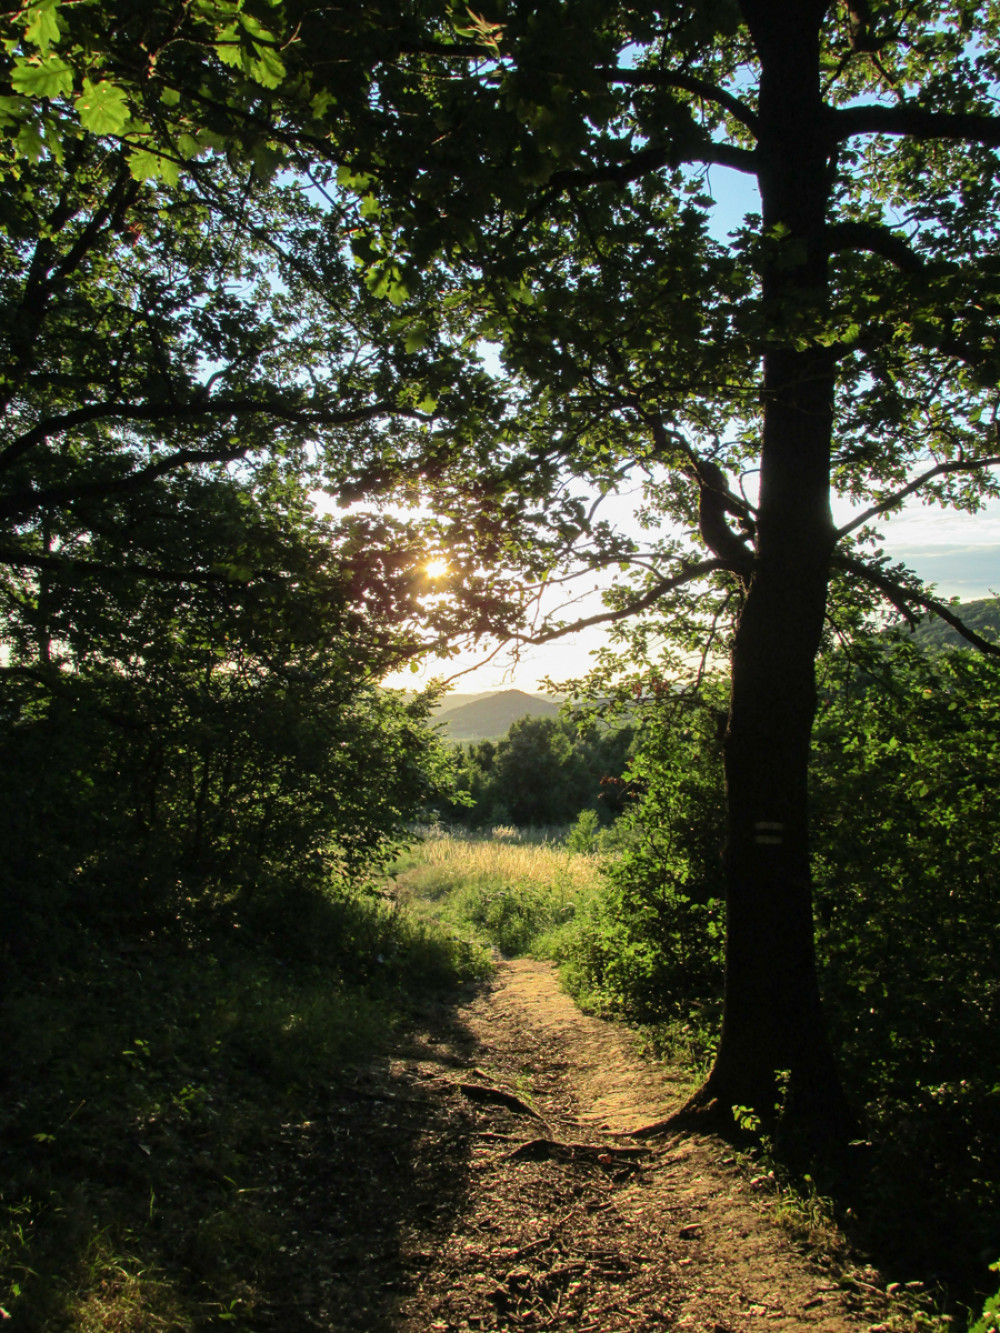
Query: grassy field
{"x": 518, "y": 891}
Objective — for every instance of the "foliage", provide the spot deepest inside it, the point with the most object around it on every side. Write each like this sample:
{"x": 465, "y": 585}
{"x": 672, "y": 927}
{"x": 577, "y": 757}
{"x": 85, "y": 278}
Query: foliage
{"x": 652, "y": 941}
{"x": 198, "y": 738}
{"x": 905, "y": 854}
{"x": 990, "y": 1321}
{"x": 149, "y": 1089}
{"x": 906, "y": 857}
{"x": 584, "y": 835}
{"x": 982, "y": 616}
{"x": 269, "y": 83}
{"x": 145, "y": 332}
{"x": 544, "y": 771}
{"x": 906, "y": 864}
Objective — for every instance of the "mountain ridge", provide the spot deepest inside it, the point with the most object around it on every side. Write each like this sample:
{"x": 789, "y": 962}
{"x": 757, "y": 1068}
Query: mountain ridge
{"x": 490, "y": 715}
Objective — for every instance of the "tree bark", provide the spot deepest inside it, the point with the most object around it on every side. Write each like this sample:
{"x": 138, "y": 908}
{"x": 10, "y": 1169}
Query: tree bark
{"x": 774, "y": 1048}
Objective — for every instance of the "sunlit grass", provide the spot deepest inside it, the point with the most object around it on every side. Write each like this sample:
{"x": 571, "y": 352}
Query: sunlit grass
{"x": 504, "y": 889}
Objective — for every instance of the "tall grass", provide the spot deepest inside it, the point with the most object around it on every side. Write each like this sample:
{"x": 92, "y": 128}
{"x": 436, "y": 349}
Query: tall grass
{"x": 516, "y": 891}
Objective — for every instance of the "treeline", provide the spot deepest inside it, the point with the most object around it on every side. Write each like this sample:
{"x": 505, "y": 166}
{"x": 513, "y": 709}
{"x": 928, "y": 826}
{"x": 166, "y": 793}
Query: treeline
{"x": 545, "y": 771}
{"x": 176, "y": 742}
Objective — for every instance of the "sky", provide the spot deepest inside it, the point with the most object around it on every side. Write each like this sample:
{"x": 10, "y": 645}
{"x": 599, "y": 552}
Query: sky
{"x": 958, "y": 553}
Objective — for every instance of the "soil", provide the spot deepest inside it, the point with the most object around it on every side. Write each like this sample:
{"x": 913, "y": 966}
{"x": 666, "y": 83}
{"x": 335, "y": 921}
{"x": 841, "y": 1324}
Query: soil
{"x": 486, "y": 1178}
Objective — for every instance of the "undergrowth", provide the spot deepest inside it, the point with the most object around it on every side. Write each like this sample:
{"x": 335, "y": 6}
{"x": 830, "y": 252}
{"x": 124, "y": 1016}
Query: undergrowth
{"x": 145, "y": 1078}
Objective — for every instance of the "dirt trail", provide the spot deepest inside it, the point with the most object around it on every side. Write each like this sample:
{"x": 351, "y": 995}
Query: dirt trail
{"x": 669, "y": 1239}
{"x": 484, "y": 1180}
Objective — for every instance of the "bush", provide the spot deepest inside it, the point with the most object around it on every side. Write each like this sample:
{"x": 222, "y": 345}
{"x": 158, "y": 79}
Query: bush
{"x": 652, "y": 940}
{"x": 990, "y": 1321}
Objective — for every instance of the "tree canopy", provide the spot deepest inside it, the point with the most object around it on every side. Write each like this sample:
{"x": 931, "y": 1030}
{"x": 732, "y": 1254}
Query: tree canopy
{"x": 841, "y": 342}
{"x": 539, "y": 179}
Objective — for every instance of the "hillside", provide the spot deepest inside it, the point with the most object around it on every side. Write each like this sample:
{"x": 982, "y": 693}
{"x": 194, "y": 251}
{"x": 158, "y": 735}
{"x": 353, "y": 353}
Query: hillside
{"x": 983, "y": 616}
{"x": 491, "y": 715}
{"x": 452, "y": 701}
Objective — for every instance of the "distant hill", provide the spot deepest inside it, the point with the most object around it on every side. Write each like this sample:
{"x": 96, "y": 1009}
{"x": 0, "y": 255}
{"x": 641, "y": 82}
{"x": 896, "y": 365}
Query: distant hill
{"x": 983, "y": 616}
{"x": 452, "y": 701}
{"x": 490, "y": 716}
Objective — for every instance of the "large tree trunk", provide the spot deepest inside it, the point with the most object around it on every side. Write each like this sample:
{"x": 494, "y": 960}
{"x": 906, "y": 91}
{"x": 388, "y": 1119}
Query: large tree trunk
{"x": 773, "y": 1025}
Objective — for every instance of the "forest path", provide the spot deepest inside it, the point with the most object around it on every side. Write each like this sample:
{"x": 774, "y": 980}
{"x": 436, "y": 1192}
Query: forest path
{"x": 483, "y": 1179}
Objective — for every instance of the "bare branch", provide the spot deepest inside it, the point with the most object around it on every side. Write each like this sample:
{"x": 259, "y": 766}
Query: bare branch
{"x": 643, "y": 603}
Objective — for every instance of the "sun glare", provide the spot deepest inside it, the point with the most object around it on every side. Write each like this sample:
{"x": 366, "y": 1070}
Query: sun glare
{"x": 437, "y": 569}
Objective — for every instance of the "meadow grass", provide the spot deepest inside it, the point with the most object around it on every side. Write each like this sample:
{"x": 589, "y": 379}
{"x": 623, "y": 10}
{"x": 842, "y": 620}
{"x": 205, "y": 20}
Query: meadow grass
{"x": 514, "y": 890}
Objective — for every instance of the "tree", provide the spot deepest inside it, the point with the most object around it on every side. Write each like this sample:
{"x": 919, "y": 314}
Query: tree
{"x": 547, "y": 169}
{"x": 169, "y": 298}
{"x": 544, "y": 771}
{"x": 201, "y": 743}
{"x": 187, "y": 347}
{"x": 843, "y": 341}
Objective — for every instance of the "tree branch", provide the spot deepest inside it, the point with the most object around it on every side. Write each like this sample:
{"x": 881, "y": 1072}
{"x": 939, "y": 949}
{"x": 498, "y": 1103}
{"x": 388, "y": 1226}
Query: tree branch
{"x": 663, "y": 78}
{"x": 193, "y": 410}
{"x": 57, "y": 564}
{"x": 942, "y": 469}
{"x": 643, "y": 603}
{"x": 901, "y": 598}
{"x": 648, "y": 160}
{"x": 916, "y": 123}
{"x": 878, "y": 240}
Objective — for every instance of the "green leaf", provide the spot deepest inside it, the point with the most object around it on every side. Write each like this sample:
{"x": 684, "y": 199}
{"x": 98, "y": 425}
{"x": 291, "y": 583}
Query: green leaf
{"x": 350, "y": 179}
{"x": 48, "y": 77}
{"x": 398, "y": 292}
{"x": 42, "y": 28}
{"x": 30, "y": 142}
{"x": 103, "y": 107}
{"x": 268, "y": 69}
{"x": 416, "y": 338}
{"x": 322, "y": 102}
{"x": 150, "y": 166}
{"x": 261, "y": 61}
{"x": 188, "y": 146}
{"x": 229, "y": 48}
{"x": 266, "y": 162}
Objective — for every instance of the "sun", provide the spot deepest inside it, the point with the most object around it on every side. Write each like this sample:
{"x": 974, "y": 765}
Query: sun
{"x": 437, "y": 568}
